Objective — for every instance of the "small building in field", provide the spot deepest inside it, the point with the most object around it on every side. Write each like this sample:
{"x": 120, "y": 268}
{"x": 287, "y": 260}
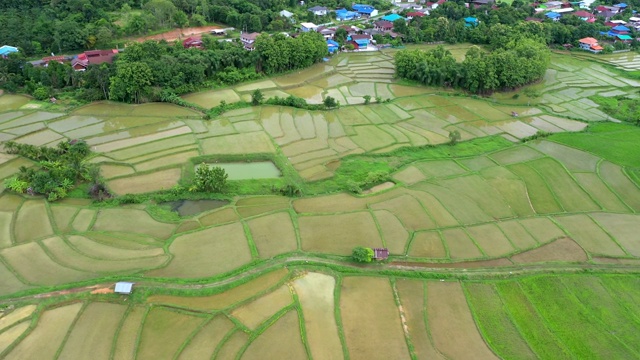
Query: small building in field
{"x": 380, "y": 253}
{"x": 123, "y": 287}
{"x": 590, "y": 44}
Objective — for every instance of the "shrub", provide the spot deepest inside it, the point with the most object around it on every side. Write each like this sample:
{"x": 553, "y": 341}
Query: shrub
{"x": 257, "y": 97}
{"x": 41, "y": 93}
{"x": 367, "y": 99}
{"x": 454, "y": 137}
{"x": 209, "y": 178}
{"x": 362, "y": 254}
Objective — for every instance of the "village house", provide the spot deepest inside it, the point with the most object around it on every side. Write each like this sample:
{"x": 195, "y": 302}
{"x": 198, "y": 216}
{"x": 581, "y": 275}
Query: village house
{"x": 93, "y": 57}
{"x": 218, "y": 32}
{"x": 288, "y": 15}
{"x": 318, "y": 10}
{"x": 351, "y": 30}
{"x": 585, "y": 15}
{"x": 553, "y": 16}
{"x": 332, "y": 46}
{"x": 471, "y": 21}
{"x": 365, "y": 10}
{"x": 346, "y": 15}
{"x": 415, "y": 14}
{"x": 392, "y": 17}
{"x": 383, "y": 25}
{"x": 590, "y": 44}
{"x": 192, "y": 42}
{"x": 248, "y": 39}
{"x": 362, "y": 40}
{"x": 307, "y": 26}
{"x": 326, "y": 32}
{"x": 123, "y": 288}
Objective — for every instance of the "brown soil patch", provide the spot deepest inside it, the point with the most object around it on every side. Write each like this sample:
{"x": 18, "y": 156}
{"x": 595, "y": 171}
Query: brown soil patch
{"x": 103, "y": 291}
{"x": 176, "y": 34}
{"x": 563, "y": 249}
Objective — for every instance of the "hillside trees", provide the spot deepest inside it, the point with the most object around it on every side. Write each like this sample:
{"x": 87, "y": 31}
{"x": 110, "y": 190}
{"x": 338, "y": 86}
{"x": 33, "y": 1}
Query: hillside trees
{"x": 279, "y": 53}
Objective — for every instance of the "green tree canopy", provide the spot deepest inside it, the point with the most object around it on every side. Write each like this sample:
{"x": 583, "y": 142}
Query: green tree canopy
{"x": 362, "y": 254}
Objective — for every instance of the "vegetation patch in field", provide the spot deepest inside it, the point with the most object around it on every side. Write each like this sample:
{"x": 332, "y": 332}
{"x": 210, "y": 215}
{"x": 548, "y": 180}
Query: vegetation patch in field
{"x": 273, "y": 234}
{"x": 338, "y": 234}
{"x": 93, "y": 332}
{"x": 368, "y": 319}
{"x": 220, "y": 249}
{"x": 451, "y": 323}
{"x": 257, "y": 311}
{"x": 46, "y": 338}
{"x": 164, "y": 331}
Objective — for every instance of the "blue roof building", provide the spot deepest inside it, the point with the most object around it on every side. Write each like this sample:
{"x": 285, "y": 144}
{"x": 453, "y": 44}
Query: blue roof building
{"x": 553, "y": 16}
{"x": 5, "y": 50}
{"x": 344, "y": 14}
{"x": 364, "y": 9}
{"x": 332, "y": 46}
{"x": 470, "y": 21}
{"x": 392, "y": 17}
{"x": 621, "y": 5}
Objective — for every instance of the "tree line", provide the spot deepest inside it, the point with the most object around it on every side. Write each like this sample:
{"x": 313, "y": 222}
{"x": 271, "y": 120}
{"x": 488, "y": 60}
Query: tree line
{"x": 518, "y": 63}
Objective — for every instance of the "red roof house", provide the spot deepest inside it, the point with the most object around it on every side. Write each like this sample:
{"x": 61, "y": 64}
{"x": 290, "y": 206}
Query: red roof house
{"x": 383, "y": 25}
{"x": 590, "y": 44}
{"x": 93, "y": 57}
{"x": 380, "y": 254}
{"x": 192, "y": 42}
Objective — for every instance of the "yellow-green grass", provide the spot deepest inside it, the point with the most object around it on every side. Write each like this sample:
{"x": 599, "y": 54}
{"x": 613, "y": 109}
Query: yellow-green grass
{"x": 71, "y": 258}
{"x": 518, "y": 235}
{"x": 34, "y": 265}
{"x": 440, "y": 168}
{"x": 248, "y": 211}
{"x": 93, "y": 332}
{"x": 531, "y": 325}
{"x": 261, "y": 309}
{"x": 516, "y": 155}
{"x": 97, "y": 250}
{"x": 623, "y": 228}
{"x": 163, "y": 333}
{"x": 512, "y": 189}
{"x": 481, "y": 192}
{"x": 62, "y": 216}
{"x": 369, "y": 320}
{"x": 273, "y": 234}
{"x": 541, "y": 197}
{"x": 125, "y": 345}
{"x": 572, "y": 159}
{"x": 281, "y": 340}
{"x": 315, "y": 292}
{"x": 542, "y": 229}
{"x": 224, "y": 299}
{"x": 219, "y": 249}
{"x": 600, "y": 192}
{"x": 495, "y": 323}
{"x": 9, "y": 336}
{"x": 409, "y": 175}
{"x": 32, "y": 222}
{"x": 9, "y": 202}
{"x": 589, "y": 235}
{"x": 370, "y": 137}
{"x": 203, "y": 344}
{"x": 619, "y": 182}
{"x": 209, "y": 99}
{"x": 625, "y": 290}
{"x": 491, "y": 240}
{"x": 593, "y": 294}
{"x": 5, "y": 229}
{"x": 461, "y": 208}
{"x": 12, "y": 102}
{"x": 130, "y": 241}
{"x": 409, "y": 211}
{"x": 131, "y": 220}
{"x": 15, "y": 316}
{"x": 144, "y": 183}
{"x": 230, "y": 348}
{"x": 221, "y": 216}
{"x": 338, "y": 234}
{"x": 460, "y": 245}
{"x": 412, "y": 299}
{"x": 394, "y": 234}
{"x": 10, "y": 283}
{"x": 250, "y": 143}
{"x": 567, "y": 191}
{"x": 427, "y": 245}
{"x": 439, "y": 214}
{"x": 43, "y": 342}
{"x": 451, "y": 323}
{"x": 589, "y": 338}
{"x": 83, "y": 220}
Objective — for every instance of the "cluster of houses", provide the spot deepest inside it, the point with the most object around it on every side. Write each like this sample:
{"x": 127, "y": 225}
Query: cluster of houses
{"x": 81, "y": 61}
{"x": 555, "y": 10}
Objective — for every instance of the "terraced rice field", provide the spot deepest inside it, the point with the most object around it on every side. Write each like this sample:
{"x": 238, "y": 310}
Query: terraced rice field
{"x": 277, "y": 263}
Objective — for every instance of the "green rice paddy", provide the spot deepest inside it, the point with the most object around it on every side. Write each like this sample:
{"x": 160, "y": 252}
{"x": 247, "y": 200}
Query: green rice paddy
{"x": 474, "y": 230}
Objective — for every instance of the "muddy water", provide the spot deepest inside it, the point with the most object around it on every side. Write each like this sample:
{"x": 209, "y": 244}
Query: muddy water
{"x": 193, "y": 207}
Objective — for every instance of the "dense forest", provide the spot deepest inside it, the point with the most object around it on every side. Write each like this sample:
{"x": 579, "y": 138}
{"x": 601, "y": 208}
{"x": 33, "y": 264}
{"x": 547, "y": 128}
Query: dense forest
{"x": 520, "y": 62}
